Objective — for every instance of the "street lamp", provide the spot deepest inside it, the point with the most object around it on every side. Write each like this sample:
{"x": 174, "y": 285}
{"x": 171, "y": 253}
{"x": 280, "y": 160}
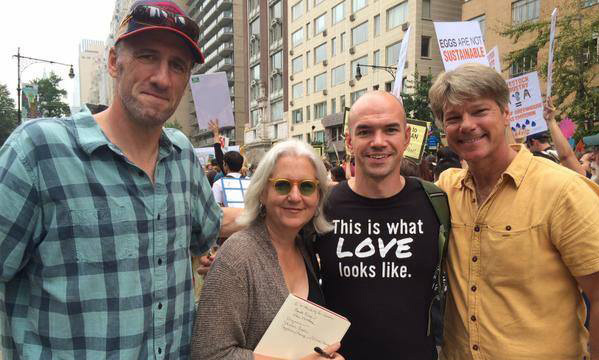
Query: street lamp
{"x": 390, "y": 69}
{"x": 33, "y": 61}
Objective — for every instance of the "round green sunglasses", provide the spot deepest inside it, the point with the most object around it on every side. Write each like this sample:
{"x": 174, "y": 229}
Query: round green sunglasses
{"x": 283, "y": 186}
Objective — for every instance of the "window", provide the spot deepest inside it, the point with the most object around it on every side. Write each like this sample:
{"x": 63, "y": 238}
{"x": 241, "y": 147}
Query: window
{"x": 342, "y": 42}
{"x": 338, "y": 13}
{"x": 255, "y": 38}
{"x": 255, "y": 72}
{"x": 587, "y": 3}
{"x": 299, "y": 137}
{"x": 308, "y": 86}
{"x": 363, "y": 70}
{"x": 377, "y": 25}
{"x": 276, "y": 83}
{"x": 356, "y": 95}
{"x": 276, "y": 111}
{"x": 319, "y": 24}
{"x": 392, "y": 54}
{"x": 316, "y": 2}
{"x": 388, "y": 86}
{"x": 255, "y": 92}
{"x": 337, "y": 133}
{"x": 276, "y": 27}
{"x": 320, "y": 82}
{"x": 397, "y": 15}
{"x": 338, "y": 75}
{"x": 320, "y": 53}
{"x": 297, "y": 37}
{"x": 526, "y": 64}
{"x": 333, "y": 105}
{"x": 481, "y": 22}
{"x": 319, "y": 137}
{"x": 297, "y": 91}
{"x": 425, "y": 43}
{"x": 308, "y": 113}
{"x": 307, "y": 30}
{"x": 376, "y": 58}
{"x": 254, "y": 117}
{"x": 333, "y": 46}
{"x": 307, "y": 59}
{"x": 297, "y": 10}
{"x": 320, "y": 110}
{"x": 357, "y": 5}
{"x": 342, "y": 102}
{"x": 297, "y": 116}
{"x": 275, "y": 11}
{"x": 359, "y": 34}
{"x": 297, "y": 64}
{"x": 525, "y": 10}
{"x": 426, "y": 9}
{"x": 276, "y": 61}
{"x": 253, "y": 5}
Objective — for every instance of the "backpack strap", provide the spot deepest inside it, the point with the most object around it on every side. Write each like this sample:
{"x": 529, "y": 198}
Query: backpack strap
{"x": 439, "y": 201}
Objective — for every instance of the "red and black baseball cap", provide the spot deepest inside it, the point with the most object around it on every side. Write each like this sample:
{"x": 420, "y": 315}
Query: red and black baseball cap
{"x": 147, "y": 15}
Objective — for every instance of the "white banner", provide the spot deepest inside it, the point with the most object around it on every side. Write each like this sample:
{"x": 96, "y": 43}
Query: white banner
{"x": 526, "y": 104}
{"x": 212, "y": 99}
{"x": 401, "y": 64}
{"x": 550, "y": 61}
{"x": 460, "y": 43}
{"x": 493, "y": 58}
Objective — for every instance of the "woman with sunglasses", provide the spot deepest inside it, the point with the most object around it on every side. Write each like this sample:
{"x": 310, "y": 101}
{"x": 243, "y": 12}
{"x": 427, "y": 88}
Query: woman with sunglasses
{"x": 257, "y": 268}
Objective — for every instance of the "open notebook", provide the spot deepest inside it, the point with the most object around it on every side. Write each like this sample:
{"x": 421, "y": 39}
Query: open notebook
{"x": 299, "y": 326}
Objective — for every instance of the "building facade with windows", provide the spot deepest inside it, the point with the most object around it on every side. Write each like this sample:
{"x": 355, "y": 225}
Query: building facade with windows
{"x": 329, "y": 38}
{"x": 222, "y": 38}
{"x": 89, "y": 67}
{"x": 268, "y": 75}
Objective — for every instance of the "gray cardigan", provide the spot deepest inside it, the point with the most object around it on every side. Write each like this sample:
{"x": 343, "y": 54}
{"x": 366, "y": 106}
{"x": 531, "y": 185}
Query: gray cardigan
{"x": 242, "y": 293}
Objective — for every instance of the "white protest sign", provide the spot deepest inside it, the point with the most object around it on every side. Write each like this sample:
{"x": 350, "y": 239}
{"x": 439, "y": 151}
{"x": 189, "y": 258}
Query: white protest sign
{"x": 401, "y": 63}
{"x": 550, "y": 61}
{"x": 493, "y": 58}
{"x": 212, "y": 99}
{"x": 526, "y": 104}
{"x": 460, "y": 43}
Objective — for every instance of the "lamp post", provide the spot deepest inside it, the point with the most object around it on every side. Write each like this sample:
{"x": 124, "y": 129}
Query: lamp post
{"x": 32, "y": 61}
{"x": 390, "y": 69}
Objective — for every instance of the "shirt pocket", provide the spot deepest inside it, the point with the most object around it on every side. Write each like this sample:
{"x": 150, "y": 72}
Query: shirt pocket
{"x": 103, "y": 235}
{"x": 507, "y": 254}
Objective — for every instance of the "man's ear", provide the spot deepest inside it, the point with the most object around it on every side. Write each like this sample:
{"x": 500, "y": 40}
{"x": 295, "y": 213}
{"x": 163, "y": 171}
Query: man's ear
{"x": 112, "y": 62}
{"x": 348, "y": 140}
{"x": 506, "y": 116}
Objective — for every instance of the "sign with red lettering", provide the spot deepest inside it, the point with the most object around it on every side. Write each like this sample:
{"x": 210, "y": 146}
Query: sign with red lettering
{"x": 460, "y": 43}
{"x": 526, "y": 103}
{"x": 493, "y": 57}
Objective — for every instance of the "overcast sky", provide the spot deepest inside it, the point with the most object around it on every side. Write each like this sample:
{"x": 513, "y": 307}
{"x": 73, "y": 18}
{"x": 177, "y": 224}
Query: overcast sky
{"x": 50, "y": 30}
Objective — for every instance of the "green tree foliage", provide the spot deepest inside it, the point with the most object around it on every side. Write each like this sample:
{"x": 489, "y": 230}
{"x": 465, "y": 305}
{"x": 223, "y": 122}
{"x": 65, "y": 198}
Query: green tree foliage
{"x": 8, "y": 114}
{"x": 174, "y": 125}
{"x": 416, "y": 102}
{"x": 575, "y": 91}
{"x": 51, "y": 97}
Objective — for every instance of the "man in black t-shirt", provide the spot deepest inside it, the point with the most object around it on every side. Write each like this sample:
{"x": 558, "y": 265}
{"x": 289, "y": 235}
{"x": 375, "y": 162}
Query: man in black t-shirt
{"x": 378, "y": 263}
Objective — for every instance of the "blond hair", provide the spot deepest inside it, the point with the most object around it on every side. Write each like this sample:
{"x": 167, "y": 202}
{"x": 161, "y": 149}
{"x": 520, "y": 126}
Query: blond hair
{"x": 466, "y": 83}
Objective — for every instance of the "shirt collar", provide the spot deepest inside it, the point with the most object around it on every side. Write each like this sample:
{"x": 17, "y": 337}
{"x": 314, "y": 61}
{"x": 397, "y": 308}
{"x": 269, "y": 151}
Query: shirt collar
{"x": 516, "y": 170}
{"x": 90, "y": 136}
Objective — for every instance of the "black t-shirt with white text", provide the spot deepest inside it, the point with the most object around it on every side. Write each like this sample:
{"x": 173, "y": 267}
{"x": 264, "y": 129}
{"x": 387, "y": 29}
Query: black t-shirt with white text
{"x": 377, "y": 269}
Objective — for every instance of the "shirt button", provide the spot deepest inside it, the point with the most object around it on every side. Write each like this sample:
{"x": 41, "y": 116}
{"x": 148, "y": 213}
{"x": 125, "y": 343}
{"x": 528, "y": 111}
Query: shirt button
{"x": 477, "y": 228}
{"x": 475, "y": 347}
{"x": 473, "y": 288}
{"x": 160, "y": 350}
{"x": 474, "y": 259}
{"x": 159, "y": 306}
{"x": 159, "y": 261}
{"x": 508, "y": 228}
{"x": 473, "y": 318}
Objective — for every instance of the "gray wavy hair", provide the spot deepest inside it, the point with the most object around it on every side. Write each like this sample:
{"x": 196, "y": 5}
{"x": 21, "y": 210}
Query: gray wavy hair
{"x": 259, "y": 182}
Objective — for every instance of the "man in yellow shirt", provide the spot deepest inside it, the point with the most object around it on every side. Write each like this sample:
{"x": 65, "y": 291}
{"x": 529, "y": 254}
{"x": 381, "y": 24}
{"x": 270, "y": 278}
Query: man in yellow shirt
{"x": 525, "y": 235}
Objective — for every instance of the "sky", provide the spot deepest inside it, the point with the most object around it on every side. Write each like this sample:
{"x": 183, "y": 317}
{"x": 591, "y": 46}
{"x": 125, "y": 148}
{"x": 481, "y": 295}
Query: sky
{"x": 49, "y": 30}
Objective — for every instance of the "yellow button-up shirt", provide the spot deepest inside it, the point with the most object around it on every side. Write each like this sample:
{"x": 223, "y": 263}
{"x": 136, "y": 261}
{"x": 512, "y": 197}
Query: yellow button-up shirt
{"x": 512, "y": 262}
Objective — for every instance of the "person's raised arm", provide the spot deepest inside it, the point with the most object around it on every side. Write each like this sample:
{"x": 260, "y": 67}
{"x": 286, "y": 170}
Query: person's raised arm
{"x": 566, "y": 155}
{"x": 218, "y": 151}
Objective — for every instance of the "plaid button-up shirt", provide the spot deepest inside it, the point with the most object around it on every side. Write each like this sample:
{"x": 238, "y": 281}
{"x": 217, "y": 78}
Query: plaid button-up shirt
{"x": 94, "y": 257}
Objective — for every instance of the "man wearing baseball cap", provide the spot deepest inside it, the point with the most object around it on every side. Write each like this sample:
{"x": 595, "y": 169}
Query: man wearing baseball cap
{"x": 99, "y": 214}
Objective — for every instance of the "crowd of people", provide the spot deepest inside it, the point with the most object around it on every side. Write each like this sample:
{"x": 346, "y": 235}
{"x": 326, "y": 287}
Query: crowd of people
{"x": 481, "y": 251}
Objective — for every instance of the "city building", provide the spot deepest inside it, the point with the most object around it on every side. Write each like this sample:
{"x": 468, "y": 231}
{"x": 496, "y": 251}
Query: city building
{"x": 90, "y": 65}
{"x": 329, "y": 38}
{"x": 223, "y": 25}
{"x": 268, "y": 76}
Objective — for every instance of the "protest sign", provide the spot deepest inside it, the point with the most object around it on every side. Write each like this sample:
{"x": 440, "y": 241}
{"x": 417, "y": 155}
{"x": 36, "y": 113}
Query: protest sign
{"x": 460, "y": 43}
{"x": 204, "y": 154}
{"x": 418, "y": 135}
{"x": 550, "y": 61}
{"x": 401, "y": 63}
{"x": 493, "y": 58}
{"x": 212, "y": 99}
{"x": 526, "y": 104}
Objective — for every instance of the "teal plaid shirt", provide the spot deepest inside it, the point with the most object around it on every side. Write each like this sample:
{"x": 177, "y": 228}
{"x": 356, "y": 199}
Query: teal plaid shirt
{"x": 94, "y": 258}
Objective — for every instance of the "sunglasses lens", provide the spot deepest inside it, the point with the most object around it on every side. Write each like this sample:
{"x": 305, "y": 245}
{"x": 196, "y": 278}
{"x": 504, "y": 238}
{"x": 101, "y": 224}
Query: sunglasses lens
{"x": 282, "y": 187}
{"x": 157, "y": 16}
{"x": 307, "y": 187}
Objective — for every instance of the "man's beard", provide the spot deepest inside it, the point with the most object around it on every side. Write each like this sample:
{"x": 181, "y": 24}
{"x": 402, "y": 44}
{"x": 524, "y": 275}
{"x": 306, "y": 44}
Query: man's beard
{"x": 142, "y": 116}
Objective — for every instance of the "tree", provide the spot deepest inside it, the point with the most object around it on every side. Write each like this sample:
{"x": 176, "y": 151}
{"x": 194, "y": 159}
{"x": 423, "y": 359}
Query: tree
{"x": 174, "y": 125}
{"x": 416, "y": 102}
{"x": 50, "y": 94}
{"x": 8, "y": 114}
{"x": 575, "y": 91}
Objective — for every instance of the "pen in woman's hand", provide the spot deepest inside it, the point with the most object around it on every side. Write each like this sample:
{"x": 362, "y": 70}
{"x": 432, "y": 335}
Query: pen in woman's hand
{"x": 321, "y": 352}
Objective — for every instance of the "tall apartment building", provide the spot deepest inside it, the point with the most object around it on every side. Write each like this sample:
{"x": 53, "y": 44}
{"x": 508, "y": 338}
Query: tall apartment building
{"x": 268, "y": 74}
{"x": 329, "y": 38}
{"x": 222, "y": 37}
{"x": 90, "y": 66}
